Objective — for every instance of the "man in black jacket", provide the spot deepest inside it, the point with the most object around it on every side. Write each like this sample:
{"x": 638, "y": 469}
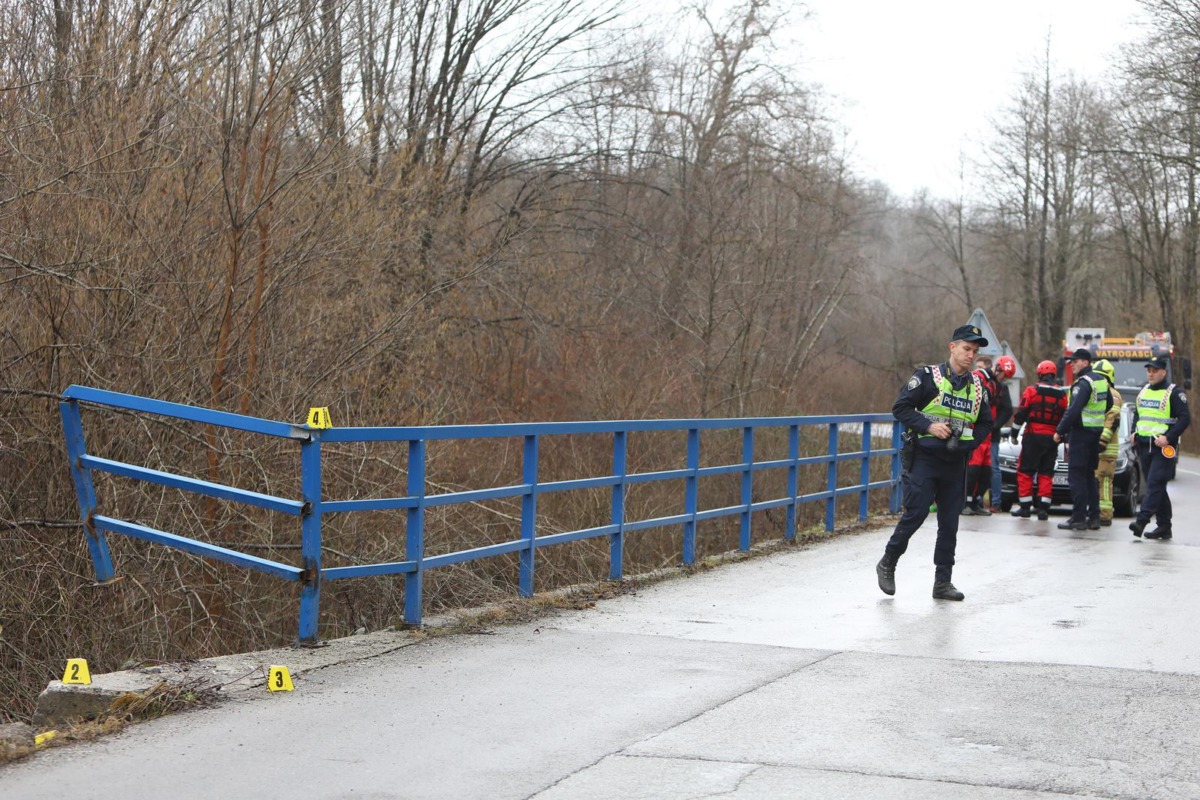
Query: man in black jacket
{"x": 1080, "y": 427}
{"x": 946, "y": 409}
{"x": 1161, "y": 415}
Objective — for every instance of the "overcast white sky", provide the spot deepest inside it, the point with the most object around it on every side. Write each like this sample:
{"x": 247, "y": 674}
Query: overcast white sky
{"x": 915, "y": 81}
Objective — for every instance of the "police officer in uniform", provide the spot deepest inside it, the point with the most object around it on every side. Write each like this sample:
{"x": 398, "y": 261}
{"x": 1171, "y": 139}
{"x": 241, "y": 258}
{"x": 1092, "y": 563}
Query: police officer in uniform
{"x": 1160, "y": 415}
{"x": 1081, "y": 427}
{"x": 946, "y": 411}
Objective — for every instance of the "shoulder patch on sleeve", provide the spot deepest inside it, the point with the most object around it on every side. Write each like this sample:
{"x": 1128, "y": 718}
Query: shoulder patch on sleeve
{"x": 914, "y": 382}
{"x": 1182, "y": 397}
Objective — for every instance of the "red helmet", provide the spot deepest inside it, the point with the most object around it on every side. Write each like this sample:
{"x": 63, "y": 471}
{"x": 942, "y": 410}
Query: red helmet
{"x": 1047, "y": 368}
{"x": 1006, "y": 366}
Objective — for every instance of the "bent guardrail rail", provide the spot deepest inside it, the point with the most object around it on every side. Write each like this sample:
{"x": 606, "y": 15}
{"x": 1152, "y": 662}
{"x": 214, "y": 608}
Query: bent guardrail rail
{"x": 311, "y": 506}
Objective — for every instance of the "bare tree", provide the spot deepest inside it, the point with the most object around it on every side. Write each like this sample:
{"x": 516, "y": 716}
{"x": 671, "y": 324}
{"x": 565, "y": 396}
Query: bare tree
{"x": 1043, "y": 211}
{"x": 1153, "y": 161}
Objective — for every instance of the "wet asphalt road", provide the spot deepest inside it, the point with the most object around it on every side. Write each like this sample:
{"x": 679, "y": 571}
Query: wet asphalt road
{"x": 1071, "y": 670}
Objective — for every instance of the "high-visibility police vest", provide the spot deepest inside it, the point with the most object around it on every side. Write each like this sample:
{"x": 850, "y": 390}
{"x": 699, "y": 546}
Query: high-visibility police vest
{"x": 1154, "y": 411}
{"x": 951, "y": 405}
{"x": 1093, "y": 412}
{"x": 1114, "y": 415}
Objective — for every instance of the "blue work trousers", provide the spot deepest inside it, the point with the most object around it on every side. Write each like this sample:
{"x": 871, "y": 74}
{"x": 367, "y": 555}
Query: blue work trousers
{"x": 1158, "y": 469}
{"x": 932, "y": 479}
{"x": 1083, "y": 456}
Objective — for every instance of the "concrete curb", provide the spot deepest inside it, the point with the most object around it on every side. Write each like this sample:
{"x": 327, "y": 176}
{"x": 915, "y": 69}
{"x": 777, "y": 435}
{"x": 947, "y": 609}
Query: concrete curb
{"x": 62, "y": 704}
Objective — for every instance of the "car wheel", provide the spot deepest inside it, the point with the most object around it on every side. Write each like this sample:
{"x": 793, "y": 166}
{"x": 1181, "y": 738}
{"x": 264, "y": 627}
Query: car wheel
{"x": 1127, "y": 504}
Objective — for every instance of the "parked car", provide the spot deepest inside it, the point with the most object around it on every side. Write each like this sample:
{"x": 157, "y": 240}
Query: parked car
{"x": 1128, "y": 486}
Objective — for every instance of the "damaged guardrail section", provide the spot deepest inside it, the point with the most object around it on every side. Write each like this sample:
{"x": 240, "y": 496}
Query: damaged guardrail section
{"x": 311, "y": 506}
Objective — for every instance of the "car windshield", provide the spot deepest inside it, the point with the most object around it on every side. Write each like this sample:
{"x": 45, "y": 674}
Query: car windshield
{"x": 1129, "y": 373}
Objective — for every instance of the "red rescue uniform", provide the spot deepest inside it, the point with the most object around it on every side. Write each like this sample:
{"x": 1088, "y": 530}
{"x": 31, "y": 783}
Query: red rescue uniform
{"x": 1041, "y": 409}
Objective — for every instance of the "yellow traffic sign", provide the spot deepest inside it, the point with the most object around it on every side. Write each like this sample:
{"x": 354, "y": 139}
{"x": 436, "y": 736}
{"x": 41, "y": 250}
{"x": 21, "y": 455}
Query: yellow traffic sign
{"x": 319, "y": 418}
{"x": 76, "y": 671}
{"x": 279, "y": 679}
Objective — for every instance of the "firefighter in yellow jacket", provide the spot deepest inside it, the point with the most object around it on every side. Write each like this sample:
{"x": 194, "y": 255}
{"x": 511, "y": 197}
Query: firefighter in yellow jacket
{"x": 1110, "y": 443}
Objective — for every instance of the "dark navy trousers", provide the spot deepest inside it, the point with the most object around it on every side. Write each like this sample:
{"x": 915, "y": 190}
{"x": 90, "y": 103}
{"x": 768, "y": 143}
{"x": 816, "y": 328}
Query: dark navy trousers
{"x": 1083, "y": 456}
{"x": 1157, "y": 469}
{"x": 932, "y": 480}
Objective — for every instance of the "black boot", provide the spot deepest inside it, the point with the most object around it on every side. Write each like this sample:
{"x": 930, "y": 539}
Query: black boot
{"x": 1044, "y": 511}
{"x": 1022, "y": 511}
{"x": 1074, "y": 525}
{"x": 943, "y": 589}
{"x": 1160, "y": 532}
{"x": 1093, "y": 523}
{"x": 1137, "y": 526}
{"x": 980, "y": 509}
{"x": 885, "y": 570}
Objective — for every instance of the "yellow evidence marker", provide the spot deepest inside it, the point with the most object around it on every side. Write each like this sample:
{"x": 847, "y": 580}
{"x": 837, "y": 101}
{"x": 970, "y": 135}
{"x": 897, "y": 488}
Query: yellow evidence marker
{"x": 319, "y": 418}
{"x": 42, "y": 738}
{"x": 76, "y": 672}
{"x": 279, "y": 679}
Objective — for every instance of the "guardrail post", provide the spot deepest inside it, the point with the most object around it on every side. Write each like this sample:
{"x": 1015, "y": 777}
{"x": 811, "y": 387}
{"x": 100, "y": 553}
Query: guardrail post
{"x": 866, "y": 471}
{"x": 529, "y": 515}
{"x": 85, "y": 490}
{"x": 690, "y": 496}
{"x": 793, "y": 481}
{"x": 894, "y": 505}
{"x": 414, "y": 548}
{"x": 616, "y": 542}
{"x": 747, "y": 486}
{"x": 310, "y": 537}
{"x": 832, "y": 474}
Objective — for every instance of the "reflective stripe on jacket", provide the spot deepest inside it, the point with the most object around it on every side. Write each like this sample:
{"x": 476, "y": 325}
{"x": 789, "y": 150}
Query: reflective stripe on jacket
{"x": 1154, "y": 411}
{"x": 1113, "y": 420}
{"x": 959, "y": 409}
{"x": 1097, "y": 404}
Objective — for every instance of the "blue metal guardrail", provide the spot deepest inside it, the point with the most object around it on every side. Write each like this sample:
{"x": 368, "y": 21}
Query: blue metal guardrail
{"x": 312, "y": 506}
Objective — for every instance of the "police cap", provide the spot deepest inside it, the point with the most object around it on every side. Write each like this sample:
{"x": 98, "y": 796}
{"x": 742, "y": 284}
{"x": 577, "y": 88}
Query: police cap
{"x": 1082, "y": 353}
{"x": 968, "y": 333}
{"x": 1157, "y": 363}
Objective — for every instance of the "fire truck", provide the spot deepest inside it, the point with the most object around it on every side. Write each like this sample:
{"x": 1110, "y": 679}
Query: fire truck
{"x": 1128, "y": 357}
